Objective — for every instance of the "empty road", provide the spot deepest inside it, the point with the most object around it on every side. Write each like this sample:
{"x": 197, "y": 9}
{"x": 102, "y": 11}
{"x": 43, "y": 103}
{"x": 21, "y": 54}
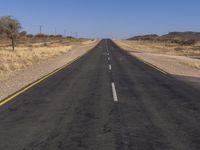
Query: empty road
{"x": 107, "y": 100}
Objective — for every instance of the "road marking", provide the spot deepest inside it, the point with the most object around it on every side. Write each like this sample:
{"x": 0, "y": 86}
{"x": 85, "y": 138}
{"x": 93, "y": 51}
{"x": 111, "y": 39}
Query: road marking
{"x": 3, "y": 102}
{"x": 107, "y": 46}
{"x": 164, "y": 72}
{"x": 108, "y": 54}
{"x": 110, "y": 68}
{"x": 151, "y": 65}
{"x": 114, "y": 92}
{"x": 108, "y": 58}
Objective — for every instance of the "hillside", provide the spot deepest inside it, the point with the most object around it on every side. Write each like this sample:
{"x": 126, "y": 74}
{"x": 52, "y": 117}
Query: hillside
{"x": 183, "y": 38}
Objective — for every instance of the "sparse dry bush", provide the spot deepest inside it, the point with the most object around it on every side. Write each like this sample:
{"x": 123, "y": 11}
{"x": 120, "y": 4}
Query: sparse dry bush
{"x": 40, "y": 35}
{"x": 30, "y": 35}
{"x": 178, "y": 49}
{"x": 10, "y": 27}
{"x": 184, "y": 42}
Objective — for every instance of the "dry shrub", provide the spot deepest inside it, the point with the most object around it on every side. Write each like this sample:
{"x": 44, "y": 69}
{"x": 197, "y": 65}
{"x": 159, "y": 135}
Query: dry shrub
{"x": 23, "y": 57}
{"x": 178, "y": 49}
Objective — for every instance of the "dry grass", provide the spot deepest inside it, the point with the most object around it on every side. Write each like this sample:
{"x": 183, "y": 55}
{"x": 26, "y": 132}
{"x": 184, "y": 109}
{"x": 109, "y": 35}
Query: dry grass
{"x": 162, "y": 47}
{"x": 192, "y": 64}
{"x": 23, "y": 57}
{"x": 28, "y": 53}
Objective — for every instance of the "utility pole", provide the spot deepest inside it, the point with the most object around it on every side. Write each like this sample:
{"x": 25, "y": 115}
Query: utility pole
{"x": 65, "y": 33}
{"x": 40, "y": 29}
{"x": 55, "y": 30}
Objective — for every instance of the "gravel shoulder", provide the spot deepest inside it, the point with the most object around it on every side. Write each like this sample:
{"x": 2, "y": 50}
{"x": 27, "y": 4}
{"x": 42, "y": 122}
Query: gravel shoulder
{"x": 178, "y": 66}
{"x": 14, "y": 81}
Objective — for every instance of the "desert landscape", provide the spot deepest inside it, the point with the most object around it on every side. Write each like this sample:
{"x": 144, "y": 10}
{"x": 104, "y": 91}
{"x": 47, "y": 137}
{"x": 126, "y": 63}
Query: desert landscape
{"x": 31, "y": 50}
{"x": 177, "y": 53}
{"x": 99, "y": 75}
{"x": 35, "y": 56}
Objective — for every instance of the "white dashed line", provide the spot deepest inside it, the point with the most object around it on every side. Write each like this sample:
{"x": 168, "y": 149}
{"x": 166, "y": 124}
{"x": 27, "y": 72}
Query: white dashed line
{"x": 110, "y": 68}
{"x": 107, "y": 46}
{"x": 114, "y": 92}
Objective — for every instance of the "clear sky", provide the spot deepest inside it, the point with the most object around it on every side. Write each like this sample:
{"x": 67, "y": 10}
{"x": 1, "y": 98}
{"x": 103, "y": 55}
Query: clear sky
{"x": 105, "y": 18}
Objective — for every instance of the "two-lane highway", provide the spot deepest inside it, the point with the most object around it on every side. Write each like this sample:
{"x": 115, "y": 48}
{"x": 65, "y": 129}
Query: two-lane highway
{"x": 107, "y": 100}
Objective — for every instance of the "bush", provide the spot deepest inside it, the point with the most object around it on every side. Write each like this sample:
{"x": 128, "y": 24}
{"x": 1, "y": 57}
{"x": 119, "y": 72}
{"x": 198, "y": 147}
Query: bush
{"x": 41, "y": 35}
{"x": 22, "y": 34}
{"x": 188, "y": 42}
{"x": 45, "y": 44}
{"x": 184, "y": 42}
{"x": 52, "y": 36}
{"x": 59, "y": 36}
{"x": 10, "y": 27}
{"x": 178, "y": 49}
{"x": 30, "y": 36}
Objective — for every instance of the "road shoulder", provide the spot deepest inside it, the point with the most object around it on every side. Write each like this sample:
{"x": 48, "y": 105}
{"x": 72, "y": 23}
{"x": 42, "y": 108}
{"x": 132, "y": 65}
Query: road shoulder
{"x": 176, "y": 66}
{"x": 15, "y": 81}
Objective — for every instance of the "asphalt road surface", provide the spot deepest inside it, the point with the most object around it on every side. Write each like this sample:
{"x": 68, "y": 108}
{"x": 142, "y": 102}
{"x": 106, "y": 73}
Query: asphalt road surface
{"x": 107, "y": 100}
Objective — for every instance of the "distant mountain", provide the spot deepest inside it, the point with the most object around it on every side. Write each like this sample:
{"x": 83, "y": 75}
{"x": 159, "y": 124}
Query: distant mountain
{"x": 182, "y": 36}
{"x": 170, "y": 36}
{"x": 144, "y": 37}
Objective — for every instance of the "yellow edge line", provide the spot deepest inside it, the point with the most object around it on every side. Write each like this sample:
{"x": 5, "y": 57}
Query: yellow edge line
{"x": 3, "y": 102}
{"x": 155, "y": 67}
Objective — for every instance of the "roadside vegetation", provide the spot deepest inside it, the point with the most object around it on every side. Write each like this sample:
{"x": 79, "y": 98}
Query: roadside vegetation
{"x": 19, "y": 50}
{"x": 10, "y": 28}
{"x": 173, "y": 52}
{"x": 174, "y": 43}
{"x": 162, "y": 47}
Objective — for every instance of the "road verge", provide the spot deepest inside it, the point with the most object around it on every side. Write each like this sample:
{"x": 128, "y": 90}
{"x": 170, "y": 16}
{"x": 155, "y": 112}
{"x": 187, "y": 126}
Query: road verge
{"x": 16, "y": 81}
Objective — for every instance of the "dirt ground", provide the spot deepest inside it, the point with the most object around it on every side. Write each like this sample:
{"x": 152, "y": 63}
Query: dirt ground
{"x": 167, "y": 48}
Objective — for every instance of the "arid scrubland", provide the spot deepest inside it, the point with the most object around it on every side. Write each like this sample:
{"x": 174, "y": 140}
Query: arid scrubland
{"x": 164, "y": 47}
{"x": 28, "y": 53}
{"x": 176, "y": 53}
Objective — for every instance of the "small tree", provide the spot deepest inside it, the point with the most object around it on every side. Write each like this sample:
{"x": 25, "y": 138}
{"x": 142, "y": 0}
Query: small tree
{"x": 10, "y": 27}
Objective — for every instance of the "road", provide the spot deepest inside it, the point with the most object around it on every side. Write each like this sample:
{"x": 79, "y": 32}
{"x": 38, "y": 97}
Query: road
{"x": 107, "y": 100}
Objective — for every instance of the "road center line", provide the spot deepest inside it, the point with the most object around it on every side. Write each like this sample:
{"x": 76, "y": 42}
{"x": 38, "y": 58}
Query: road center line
{"x": 110, "y": 68}
{"x": 108, "y": 58}
{"x": 107, "y": 46}
{"x": 114, "y": 92}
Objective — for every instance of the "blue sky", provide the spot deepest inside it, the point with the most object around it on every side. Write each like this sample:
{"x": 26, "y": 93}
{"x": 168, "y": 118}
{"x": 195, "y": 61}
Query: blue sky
{"x": 105, "y": 18}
